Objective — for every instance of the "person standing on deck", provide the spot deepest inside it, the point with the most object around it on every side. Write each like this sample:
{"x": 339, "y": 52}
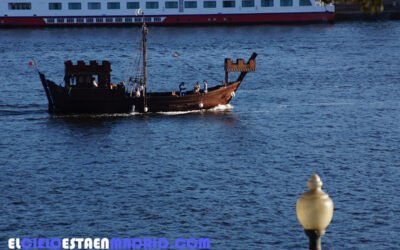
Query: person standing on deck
{"x": 182, "y": 89}
{"x": 205, "y": 86}
{"x": 141, "y": 89}
{"x": 197, "y": 88}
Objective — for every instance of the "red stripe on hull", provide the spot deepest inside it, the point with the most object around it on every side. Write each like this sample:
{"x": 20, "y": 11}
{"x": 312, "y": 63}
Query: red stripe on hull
{"x": 21, "y": 21}
{"x": 220, "y": 19}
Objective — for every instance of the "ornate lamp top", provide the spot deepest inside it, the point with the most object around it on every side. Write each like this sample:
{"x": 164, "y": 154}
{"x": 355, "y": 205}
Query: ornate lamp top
{"x": 314, "y": 208}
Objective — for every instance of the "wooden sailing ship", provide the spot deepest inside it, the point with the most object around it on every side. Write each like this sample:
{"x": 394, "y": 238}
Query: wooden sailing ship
{"x": 88, "y": 89}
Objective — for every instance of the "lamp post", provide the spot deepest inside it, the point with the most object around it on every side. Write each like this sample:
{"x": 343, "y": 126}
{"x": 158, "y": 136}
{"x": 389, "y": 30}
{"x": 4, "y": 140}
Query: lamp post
{"x": 314, "y": 211}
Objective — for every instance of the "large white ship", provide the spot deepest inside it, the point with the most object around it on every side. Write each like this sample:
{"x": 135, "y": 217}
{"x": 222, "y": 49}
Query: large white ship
{"x": 179, "y": 12}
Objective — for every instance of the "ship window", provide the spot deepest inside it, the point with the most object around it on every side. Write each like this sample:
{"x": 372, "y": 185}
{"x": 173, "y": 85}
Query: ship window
{"x": 157, "y": 19}
{"x": 210, "y": 4}
{"x": 151, "y": 5}
{"x": 19, "y": 6}
{"x": 191, "y": 4}
{"x": 228, "y": 4}
{"x": 128, "y": 20}
{"x": 89, "y": 20}
{"x": 267, "y": 3}
{"x": 94, "y": 5}
{"x": 147, "y": 19}
{"x": 55, "y": 6}
{"x": 132, "y": 5}
{"x": 109, "y": 20}
{"x": 286, "y": 2}
{"x": 99, "y": 20}
{"x": 118, "y": 19}
{"x": 50, "y": 20}
{"x": 247, "y": 3}
{"x": 74, "y": 6}
{"x": 79, "y": 20}
{"x": 171, "y": 4}
{"x": 138, "y": 19}
{"x": 113, "y": 5}
{"x": 305, "y": 3}
{"x": 70, "y": 20}
{"x": 60, "y": 20}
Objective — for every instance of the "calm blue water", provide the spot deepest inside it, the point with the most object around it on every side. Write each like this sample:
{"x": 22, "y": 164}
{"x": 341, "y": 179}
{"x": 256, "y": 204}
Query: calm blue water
{"x": 325, "y": 99}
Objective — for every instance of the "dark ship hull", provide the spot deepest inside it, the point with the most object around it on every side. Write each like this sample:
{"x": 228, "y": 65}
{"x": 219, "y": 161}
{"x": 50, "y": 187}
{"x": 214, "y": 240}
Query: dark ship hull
{"x": 67, "y": 100}
{"x": 219, "y": 95}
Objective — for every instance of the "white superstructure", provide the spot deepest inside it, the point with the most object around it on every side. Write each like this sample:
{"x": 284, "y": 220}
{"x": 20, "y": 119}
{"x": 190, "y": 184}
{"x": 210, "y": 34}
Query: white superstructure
{"x": 249, "y": 10}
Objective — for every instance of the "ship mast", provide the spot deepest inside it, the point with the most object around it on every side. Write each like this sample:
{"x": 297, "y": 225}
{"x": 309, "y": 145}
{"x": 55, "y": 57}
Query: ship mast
{"x": 144, "y": 47}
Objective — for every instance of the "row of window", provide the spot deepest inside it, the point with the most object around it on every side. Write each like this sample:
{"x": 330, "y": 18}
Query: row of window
{"x": 103, "y": 20}
{"x": 112, "y": 20}
{"x": 155, "y": 5}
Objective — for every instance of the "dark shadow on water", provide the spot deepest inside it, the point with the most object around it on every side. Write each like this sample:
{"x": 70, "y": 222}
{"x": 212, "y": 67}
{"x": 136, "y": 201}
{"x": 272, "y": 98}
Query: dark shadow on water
{"x": 84, "y": 122}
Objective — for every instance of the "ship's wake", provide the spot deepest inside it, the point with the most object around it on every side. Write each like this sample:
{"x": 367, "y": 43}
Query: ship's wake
{"x": 217, "y": 109}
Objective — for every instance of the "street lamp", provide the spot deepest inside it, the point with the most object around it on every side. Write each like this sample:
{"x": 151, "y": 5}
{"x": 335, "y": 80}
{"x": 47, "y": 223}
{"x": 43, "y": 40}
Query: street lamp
{"x": 314, "y": 211}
